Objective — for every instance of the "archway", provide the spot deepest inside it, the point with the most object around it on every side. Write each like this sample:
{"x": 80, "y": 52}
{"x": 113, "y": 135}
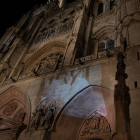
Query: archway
{"x": 14, "y": 113}
{"x": 91, "y": 103}
{"x": 54, "y": 47}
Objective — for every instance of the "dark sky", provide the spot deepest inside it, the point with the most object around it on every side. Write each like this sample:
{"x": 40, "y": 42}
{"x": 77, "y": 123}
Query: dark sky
{"x": 12, "y": 10}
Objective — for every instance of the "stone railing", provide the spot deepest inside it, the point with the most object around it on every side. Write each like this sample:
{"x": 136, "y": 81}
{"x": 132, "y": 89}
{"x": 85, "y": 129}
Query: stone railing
{"x": 106, "y": 53}
{"x": 83, "y": 59}
{"x": 109, "y": 53}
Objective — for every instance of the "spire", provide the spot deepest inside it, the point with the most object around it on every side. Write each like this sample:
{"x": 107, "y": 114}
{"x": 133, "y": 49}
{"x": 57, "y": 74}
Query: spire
{"x": 122, "y": 102}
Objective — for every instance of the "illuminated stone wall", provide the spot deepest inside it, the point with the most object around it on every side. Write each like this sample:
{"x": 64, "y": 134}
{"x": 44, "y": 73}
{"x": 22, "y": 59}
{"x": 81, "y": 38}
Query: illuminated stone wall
{"x": 54, "y": 68}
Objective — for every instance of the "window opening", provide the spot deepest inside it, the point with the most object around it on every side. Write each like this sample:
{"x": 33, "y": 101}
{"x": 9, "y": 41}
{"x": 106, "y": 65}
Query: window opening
{"x": 136, "y": 85}
{"x": 100, "y": 8}
{"x": 112, "y": 3}
{"x": 111, "y": 44}
{"x": 101, "y": 47}
{"x": 70, "y": 1}
{"x": 138, "y": 56}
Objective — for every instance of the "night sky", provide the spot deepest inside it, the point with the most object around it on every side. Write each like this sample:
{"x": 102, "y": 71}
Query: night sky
{"x": 12, "y": 10}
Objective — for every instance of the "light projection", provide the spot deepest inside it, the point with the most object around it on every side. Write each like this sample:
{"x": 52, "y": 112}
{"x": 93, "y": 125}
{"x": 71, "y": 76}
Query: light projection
{"x": 89, "y": 100}
{"x": 64, "y": 87}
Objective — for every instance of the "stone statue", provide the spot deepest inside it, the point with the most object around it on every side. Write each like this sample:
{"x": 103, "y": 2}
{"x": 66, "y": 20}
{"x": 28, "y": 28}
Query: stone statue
{"x": 36, "y": 118}
{"x": 95, "y": 123}
{"x": 47, "y": 120}
{"x": 43, "y": 115}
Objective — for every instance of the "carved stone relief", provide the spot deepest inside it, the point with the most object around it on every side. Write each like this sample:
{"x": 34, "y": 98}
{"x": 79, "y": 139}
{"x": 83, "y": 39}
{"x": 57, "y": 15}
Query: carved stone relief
{"x": 95, "y": 125}
{"x": 51, "y": 32}
{"x": 9, "y": 110}
{"x": 108, "y": 53}
{"x": 43, "y": 115}
{"x": 48, "y": 64}
{"x": 12, "y": 120}
{"x": 84, "y": 59}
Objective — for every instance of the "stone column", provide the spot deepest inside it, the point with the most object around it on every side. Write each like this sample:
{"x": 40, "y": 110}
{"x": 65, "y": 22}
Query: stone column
{"x": 88, "y": 31}
{"x": 73, "y": 38}
{"x": 122, "y": 102}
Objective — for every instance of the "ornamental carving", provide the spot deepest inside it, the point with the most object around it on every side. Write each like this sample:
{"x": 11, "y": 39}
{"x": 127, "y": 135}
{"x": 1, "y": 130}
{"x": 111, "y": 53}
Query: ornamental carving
{"x": 19, "y": 116}
{"x": 10, "y": 109}
{"x": 48, "y": 64}
{"x": 109, "y": 52}
{"x": 84, "y": 59}
{"x": 95, "y": 125}
{"x": 51, "y": 32}
{"x": 43, "y": 115}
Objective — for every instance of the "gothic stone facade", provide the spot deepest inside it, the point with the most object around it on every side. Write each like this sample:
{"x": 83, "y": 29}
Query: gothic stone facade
{"x": 58, "y": 67}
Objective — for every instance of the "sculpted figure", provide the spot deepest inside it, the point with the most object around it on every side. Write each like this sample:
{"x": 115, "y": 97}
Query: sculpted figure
{"x": 102, "y": 124}
{"x": 33, "y": 119}
{"x": 86, "y": 131}
{"x": 95, "y": 124}
{"x": 107, "y": 126}
{"x": 47, "y": 118}
{"x": 36, "y": 118}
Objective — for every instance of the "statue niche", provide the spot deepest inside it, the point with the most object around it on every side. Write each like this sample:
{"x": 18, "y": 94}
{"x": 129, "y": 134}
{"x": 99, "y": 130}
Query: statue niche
{"x": 48, "y": 64}
{"x": 96, "y": 126}
{"x": 43, "y": 116}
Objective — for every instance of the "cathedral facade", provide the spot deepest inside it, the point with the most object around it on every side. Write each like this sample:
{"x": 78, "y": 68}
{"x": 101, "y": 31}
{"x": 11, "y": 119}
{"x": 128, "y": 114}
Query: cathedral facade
{"x": 69, "y": 70}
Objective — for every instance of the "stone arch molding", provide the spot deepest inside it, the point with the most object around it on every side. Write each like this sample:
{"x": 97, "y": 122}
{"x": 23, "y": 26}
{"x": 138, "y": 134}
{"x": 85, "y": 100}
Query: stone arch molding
{"x": 105, "y": 31}
{"x": 89, "y": 103}
{"x": 14, "y": 113}
{"x": 48, "y": 49}
{"x": 95, "y": 126}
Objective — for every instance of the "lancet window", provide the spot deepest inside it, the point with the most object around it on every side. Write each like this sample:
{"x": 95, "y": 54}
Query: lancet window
{"x": 107, "y": 44}
{"x": 110, "y": 44}
{"x": 101, "y": 46}
{"x": 112, "y": 3}
{"x": 100, "y": 8}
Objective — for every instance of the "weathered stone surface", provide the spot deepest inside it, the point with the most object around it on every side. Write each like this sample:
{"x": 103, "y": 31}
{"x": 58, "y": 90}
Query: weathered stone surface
{"x": 67, "y": 52}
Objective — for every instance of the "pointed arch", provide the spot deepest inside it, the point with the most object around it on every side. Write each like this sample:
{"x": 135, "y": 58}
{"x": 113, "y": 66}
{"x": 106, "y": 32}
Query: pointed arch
{"x": 103, "y": 32}
{"x": 86, "y": 102}
{"x": 47, "y": 49}
{"x": 15, "y": 94}
{"x": 14, "y": 113}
